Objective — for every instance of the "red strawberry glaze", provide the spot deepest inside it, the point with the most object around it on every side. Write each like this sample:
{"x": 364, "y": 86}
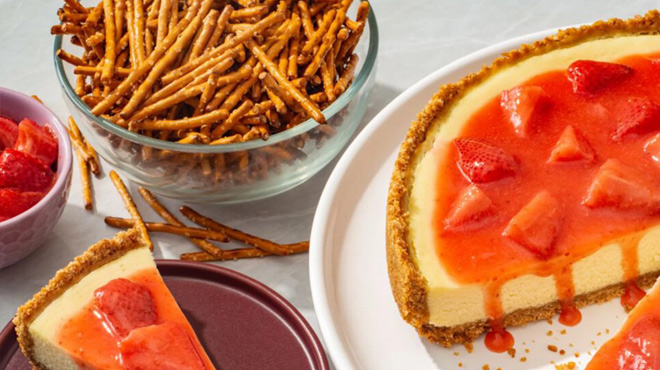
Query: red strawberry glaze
{"x": 484, "y": 254}
{"x": 91, "y": 341}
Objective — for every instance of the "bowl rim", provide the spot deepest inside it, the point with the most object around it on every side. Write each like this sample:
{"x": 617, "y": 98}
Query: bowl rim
{"x": 64, "y": 164}
{"x": 359, "y": 81}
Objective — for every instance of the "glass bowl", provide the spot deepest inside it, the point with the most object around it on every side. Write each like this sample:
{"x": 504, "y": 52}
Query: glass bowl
{"x": 229, "y": 173}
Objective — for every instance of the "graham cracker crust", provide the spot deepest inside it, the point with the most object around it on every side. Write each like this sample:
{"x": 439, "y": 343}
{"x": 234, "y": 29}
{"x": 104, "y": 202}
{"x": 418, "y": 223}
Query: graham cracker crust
{"x": 97, "y": 255}
{"x": 408, "y": 284}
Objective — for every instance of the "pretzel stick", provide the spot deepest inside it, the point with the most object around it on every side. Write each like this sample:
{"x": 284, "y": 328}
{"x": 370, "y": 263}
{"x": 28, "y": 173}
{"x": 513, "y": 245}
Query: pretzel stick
{"x": 309, "y": 46}
{"x": 37, "y": 98}
{"x": 188, "y": 232}
{"x": 161, "y": 105}
{"x": 87, "y": 151}
{"x": 346, "y": 75}
{"x": 227, "y": 140}
{"x": 149, "y": 41}
{"x": 328, "y": 40}
{"x": 255, "y": 11}
{"x": 76, "y": 6}
{"x": 163, "y": 20}
{"x": 207, "y": 94}
{"x": 235, "y": 115}
{"x": 132, "y": 209}
{"x": 91, "y": 70}
{"x": 147, "y": 65}
{"x": 306, "y": 18}
{"x": 139, "y": 30}
{"x": 328, "y": 75}
{"x": 220, "y": 96}
{"x": 308, "y": 106}
{"x": 229, "y": 44}
{"x": 234, "y": 254}
{"x": 317, "y": 7}
{"x": 174, "y": 15}
{"x": 85, "y": 180}
{"x": 204, "y": 35}
{"x": 263, "y": 244}
{"x": 164, "y": 62}
{"x": 185, "y": 123}
{"x": 110, "y": 52}
{"x": 95, "y": 15}
{"x": 120, "y": 9}
{"x": 220, "y": 26}
{"x": 69, "y": 58}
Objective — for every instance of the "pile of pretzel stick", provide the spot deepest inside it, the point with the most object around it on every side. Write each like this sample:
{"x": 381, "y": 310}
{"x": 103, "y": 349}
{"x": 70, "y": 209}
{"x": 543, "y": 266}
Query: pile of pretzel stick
{"x": 202, "y": 236}
{"x": 211, "y": 71}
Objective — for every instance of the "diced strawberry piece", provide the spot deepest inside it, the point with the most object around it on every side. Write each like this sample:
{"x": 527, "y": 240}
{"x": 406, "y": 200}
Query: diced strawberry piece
{"x": 640, "y": 350}
{"x": 23, "y": 172}
{"x": 481, "y": 162}
{"x": 572, "y": 146}
{"x": 537, "y": 225}
{"x": 8, "y": 132}
{"x": 160, "y": 347}
{"x": 618, "y": 186}
{"x": 471, "y": 208}
{"x": 521, "y": 104}
{"x": 37, "y": 141}
{"x": 652, "y": 148}
{"x": 637, "y": 116}
{"x": 14, "y": 202}
{"x": 126, "y": 305}
{"x": 589, "y": 77}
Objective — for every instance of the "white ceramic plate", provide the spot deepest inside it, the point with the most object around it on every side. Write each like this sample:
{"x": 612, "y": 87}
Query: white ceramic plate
{"x": 350, "y": 287}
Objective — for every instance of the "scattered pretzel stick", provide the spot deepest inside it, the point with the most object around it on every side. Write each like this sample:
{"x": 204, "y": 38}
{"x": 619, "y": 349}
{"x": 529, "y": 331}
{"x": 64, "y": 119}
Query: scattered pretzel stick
{"x": 85, "y": 180}
{"x": 263, "y": 244}
{"x": 132, "y": 209}
{"x": 37, "y": 99}
{"x": 188, "y": 232}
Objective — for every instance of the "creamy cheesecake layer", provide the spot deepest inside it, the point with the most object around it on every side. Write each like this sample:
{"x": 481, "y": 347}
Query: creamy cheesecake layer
{"x": 45, "y": 327}
{"x": 599, "y": 270}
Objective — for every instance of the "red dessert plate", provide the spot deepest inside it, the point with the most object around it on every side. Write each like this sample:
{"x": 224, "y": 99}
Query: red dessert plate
{"x": 242, "y": 323}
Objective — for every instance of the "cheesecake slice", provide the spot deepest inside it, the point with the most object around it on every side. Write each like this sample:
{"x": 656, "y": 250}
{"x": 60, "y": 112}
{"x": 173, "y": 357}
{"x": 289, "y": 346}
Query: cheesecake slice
{"x": 635, "y": 345}
{"x": 108, "y": 309}
{"x": 532, "y": 187}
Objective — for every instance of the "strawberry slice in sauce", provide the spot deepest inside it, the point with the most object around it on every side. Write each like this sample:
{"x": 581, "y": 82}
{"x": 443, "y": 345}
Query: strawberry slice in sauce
{"x": 37, "y": 141}
{"x": 572, "y": 146}
{"x": 589, "y": 77}
{"x": 126, "y": 305}
{"x": 618, "y": 186}
{"x": 537, "y": 225}
{"x": 637, "y": 116}
{"x": 160, "y": 347}
{"x": 522, "y": 104}
{"x": 481, "y": 162}
{"x": 472, "y": 208}
{"x": 23, "y": 172}
{"x": 8, "y": 133}
{"x": 14, "y": 202}
{"x": 640, "y": 350}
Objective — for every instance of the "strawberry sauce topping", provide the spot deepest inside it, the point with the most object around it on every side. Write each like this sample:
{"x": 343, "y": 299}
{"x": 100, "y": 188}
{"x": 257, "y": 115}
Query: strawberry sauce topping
{"x": 548, "y": 172}
{"x": 133, "y": 324}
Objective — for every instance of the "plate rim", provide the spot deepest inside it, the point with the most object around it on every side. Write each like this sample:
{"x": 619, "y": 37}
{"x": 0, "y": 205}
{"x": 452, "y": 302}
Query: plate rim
{"x": 287, "y": 310}
{"x": 341, "y": 355}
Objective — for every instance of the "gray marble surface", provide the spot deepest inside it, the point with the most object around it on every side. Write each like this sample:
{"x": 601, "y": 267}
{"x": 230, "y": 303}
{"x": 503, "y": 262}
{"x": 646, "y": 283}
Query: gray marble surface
{"x": 416, "y": 38}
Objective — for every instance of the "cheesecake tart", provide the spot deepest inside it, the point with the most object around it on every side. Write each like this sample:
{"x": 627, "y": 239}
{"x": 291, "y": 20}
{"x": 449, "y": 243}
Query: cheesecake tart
{"x": 532, "y": 187}
{"x": 108, "y": 309}
{"x": 635, "y": 345}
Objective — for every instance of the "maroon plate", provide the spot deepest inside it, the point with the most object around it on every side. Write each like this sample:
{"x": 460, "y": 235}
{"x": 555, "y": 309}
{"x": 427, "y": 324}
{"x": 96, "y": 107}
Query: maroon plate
{"x": 242, "y": 323}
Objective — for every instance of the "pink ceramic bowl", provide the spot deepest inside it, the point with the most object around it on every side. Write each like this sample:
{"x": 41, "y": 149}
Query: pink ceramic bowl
{"x": 21, "y": 235}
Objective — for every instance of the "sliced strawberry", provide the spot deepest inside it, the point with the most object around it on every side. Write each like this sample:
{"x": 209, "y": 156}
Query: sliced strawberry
{"x": 481, "y": 162}
{"x": 652, "y": 148}
{"x": 589, "y": 77}
{"x": 637, "y": 116}
{"x": 14, "y": 202}
{"x": 8, "y": 132}
{"x": 521, "y": 104}
{"x": 126, "y": 305}
{"x": 160, "y": 347}
{"x": 23, "y": 172}
{"x": 639, "y": 350}
{"x": 618, "y": 186}
{"x": 471, "y": 208}
{"x": 572, "y": 146}
{"x": 537, "y": 225}
{"x": 37, "y": 141}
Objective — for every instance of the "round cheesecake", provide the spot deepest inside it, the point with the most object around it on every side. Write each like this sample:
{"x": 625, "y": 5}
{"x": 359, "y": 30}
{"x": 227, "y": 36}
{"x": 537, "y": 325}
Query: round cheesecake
{"x": 528, "y": 188}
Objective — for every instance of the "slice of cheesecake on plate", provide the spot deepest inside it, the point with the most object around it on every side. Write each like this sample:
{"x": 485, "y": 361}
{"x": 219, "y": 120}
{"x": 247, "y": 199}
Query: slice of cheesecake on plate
{"x": 531, "y": 187}
{"x": 108, "y": 309}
